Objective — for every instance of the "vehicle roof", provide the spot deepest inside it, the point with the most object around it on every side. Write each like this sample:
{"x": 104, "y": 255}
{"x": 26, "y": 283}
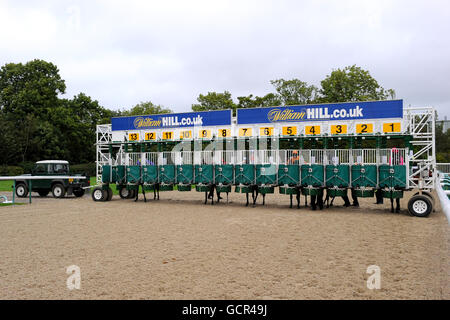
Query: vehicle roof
{"x": 52, "y": 161}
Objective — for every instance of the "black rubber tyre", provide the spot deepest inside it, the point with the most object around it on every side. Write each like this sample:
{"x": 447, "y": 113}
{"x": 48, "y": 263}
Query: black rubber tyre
{"x": 78, "y": 192}
{"x": 58, "y": 191}
{"x": 110, "y": 194}
{"x": 21, "y": 190}
{"x": 98, "y": 194}
{"x": 124, "y": 193}
{"x": 43, "y": 193}
{"x": 132, "y": 194}
{"x": 426, "y": 193}
{"x": 420, "y": 206}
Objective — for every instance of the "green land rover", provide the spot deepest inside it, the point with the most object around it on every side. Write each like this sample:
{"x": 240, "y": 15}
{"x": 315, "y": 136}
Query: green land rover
{"x": 58, "y": 187}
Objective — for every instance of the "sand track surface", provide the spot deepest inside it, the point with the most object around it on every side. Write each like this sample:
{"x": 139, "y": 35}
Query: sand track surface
{"x": 179, "y": 248}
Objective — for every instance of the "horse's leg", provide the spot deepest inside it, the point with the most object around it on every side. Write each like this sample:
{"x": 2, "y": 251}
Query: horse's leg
{"x": 290, "y": 196}
{"x": 313, "y": 202}
{"x": 397, "y": 209}
{"x": 320, "y": 199}
{"x": 298, "y": 199}
{"x": 264, "y": 198}
{"x": 143, "y": 192}
{"x": 137, "y": 194}
{"x": 206, "y": 197}
{"x": 392, "y": 205}
{"x": 246, "y": 194}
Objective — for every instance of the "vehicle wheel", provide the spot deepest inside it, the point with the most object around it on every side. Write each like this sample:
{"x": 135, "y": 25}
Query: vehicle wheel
{"x": 98, "y": 194}
{"x": 43, "y": 193}
{"x": 420, "y": 206}
{"x": 124, "y": 193}
{"x": 110, "y": 194}
{"x": 78, "y": 192}
{"x": 21, "y": 190}
{"x": 58, "y": 191}
{"x": 132, "y": 194}
{"x": 425, "y": 193}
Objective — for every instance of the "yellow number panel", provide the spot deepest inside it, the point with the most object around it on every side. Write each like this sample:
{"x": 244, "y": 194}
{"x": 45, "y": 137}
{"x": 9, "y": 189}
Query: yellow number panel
{"x": 338, "y": 129}
{"x": 245, "y": 132}
{"x": 289, "y": 131}
{"x": 204, "y": 133}
{"x": 224, "y": 133}
{"x": 266, "y": 131}
{"x": 167, "y": 135}
{"x": 187, "y": 134}
{"x": 312, "y": 130}
{"x": 364, "y": 128}
{"x": 133, "y": 136}
{"x": 150, "y": 136}
{"x": 392, "y": 127}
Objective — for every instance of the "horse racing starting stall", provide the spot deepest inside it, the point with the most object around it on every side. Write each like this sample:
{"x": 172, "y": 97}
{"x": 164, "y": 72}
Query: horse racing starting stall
{"x": 368, "y": 149}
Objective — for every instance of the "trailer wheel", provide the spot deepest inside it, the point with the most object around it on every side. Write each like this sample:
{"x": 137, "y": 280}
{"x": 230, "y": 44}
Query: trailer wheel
{"x": 21, "y": 190}
{"x": 98, "y": 194}
{"x": 58, "y": 191}
{"x": 420, "y": 206}
{"x": 124, "y": 193}
{"x": 110, "y": 194}
{"x": 78, "y": 192}
{"x": 43, "y": 193}
{"x": 132, "y": 194}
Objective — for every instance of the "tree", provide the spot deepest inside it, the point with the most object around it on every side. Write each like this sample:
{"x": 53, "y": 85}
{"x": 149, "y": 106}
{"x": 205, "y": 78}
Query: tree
{"x": 269, "y": 100}
{"x": 294, "y": 91}
{"x": 214, "y": 101}
{"x": 352, "y": 84}
{"x": 146, "y": 108}
{"x": 30, "y": 88}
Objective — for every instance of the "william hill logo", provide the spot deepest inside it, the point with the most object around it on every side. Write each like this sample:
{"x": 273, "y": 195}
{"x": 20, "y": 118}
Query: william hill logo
{"x": 145, "y": 122}
{"x": 275, "y": 115}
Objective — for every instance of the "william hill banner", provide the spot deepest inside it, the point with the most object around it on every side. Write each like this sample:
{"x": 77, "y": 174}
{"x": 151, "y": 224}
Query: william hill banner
{"x": 172, "y": 120}
{"x": 322, "y": 112}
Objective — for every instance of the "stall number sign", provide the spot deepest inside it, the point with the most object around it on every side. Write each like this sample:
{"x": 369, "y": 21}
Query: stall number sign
{"x": 364, "y": 128}
{"x": 204, "y": 133}
{"x": 150, "y": 136}
{"x": 391, "y": 127}
{"x": 186, "y": 134}
{"x": 312, "y": 130}
{"x": 133, "y": 136}
{"x": 245, "y": 132}
{"x": 266, "y": 131}
{"x": 338, "y": 129}
{"x": 167, "y": 135}
{"x": 289, "y": 131}
{"x": 224, "y": 133}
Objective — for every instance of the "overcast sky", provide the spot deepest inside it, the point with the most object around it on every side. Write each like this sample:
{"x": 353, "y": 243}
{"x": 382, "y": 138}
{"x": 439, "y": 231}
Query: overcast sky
{"x": 124, "y": 52}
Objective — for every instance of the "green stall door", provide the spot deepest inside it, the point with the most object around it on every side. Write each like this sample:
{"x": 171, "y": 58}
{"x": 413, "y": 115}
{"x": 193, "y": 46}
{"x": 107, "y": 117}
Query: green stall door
{"x": 392, "y": 176}
{"x": 223, "y": 174}
{"x": 150, "y": 174}
{"x": 133, "y": 174}
{"x": 121, "y": 174}
{"x": 185, "y": 174}
{"x": 244, "y": 174}
{"x": 204, "y": 174}
{"x": 289, "y": 175}
{"x": 266, "y": 174}
{"x": 312, "y": 175}
{"x": 337, "y": 176}
{"x": 364, "y": 176}
{"x": 109, "y": 174}
{"x": 167, "y": 174}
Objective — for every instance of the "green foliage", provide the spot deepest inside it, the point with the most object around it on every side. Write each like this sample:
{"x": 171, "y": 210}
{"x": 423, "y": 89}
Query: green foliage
{"x": 442, "y": 145}
{"x": 214, "y": 101}
{"x": 294, "y": 91}
{"x": 10, "y": 171}
{"x": 144, "y": 108}
{"x": 85, "y": 168}
{"x": 269, "y": 100}
{"x": 352, "y": 84}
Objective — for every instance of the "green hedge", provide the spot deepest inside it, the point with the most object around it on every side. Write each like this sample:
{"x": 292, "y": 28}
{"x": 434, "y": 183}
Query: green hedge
{"x": 85, "y": 168}
{"x": 10, "y": 171}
